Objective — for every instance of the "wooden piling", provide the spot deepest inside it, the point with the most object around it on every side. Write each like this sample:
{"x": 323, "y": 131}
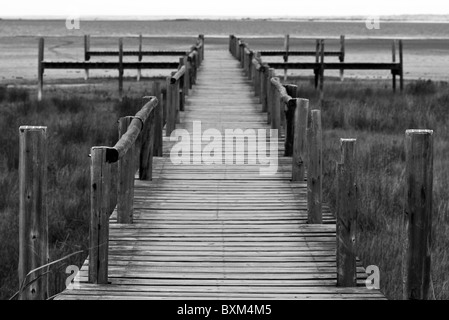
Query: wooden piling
{"x": 120, "y": 68}
{"x": 187, "y": 84}
{"x": 99, "y": 219}
{"x": 314, "y": 173}
{"x": 300, "y": 139}
{"x": 417, "y": 244}
{"x": 33, "y": 216}
{"x": 126, "y": 173}
{"x": 182, "y": 92}
{"x": 40, "y": 70}
{"x": 346, "y": 215}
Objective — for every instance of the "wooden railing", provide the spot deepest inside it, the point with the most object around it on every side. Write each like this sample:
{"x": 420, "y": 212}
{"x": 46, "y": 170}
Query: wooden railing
{"x": 194, "y": 58}
{"x": 241, "y": 50}
{"x": 115, "y": 168}
{"x": 285, "y": 110}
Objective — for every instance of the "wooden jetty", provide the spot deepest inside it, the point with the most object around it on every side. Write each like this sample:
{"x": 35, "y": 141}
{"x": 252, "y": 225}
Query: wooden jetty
{"x": 223, "y": 230}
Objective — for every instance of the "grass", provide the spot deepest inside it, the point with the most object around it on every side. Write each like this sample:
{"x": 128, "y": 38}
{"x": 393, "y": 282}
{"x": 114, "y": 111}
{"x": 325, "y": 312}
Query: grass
{"x": 77, "y": 119}
{"x": 378, "y": 119}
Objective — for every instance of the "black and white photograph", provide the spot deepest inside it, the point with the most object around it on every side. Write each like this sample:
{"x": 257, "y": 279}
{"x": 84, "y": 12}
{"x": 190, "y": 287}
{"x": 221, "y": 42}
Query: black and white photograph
{"x": 224, "y": 155}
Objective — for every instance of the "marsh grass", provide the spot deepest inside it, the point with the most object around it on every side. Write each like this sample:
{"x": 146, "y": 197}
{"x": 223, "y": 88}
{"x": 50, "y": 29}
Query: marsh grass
{"x": 378, "y": 119}
{"x": 77, "y": 119}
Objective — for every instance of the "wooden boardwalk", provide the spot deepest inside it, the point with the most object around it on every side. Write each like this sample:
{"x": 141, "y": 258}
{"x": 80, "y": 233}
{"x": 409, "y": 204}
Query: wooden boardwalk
{"x": 221, "y": 231}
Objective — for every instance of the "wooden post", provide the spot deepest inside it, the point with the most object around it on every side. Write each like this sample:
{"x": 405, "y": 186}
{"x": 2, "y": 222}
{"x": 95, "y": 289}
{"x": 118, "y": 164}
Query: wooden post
{"x": 120, "y": 68}
{"x": 147, "y": 147}
{"x": 40, "y": 70}
{"x": 264, "y": 86}
{"x": 33, "y": 217}
{"x": 187, "y": 84}
{"x": 99, "y": 219}
{"x": 300, "y": 139}
{"x": 86, "y": 54}
{"x": 401, "y": 61}
{"x": 158, "y": 121}
{"x": 342, "y": 55}
{"x": 286, "y": 49}
{"x": 314, "y": 178}
{"x": 347, "y": 215}
{"x": 126, "y": 173}
{"x": 139, "y": 71}
{"x": 289, "y": 112}
{"x": 271, "y": 94}
{"x": 416, "y": 258}
{"x": 170, "y": 107}
{"x": 250, "y": 64}
{"x": 321, "y": 72}
{"x": 182, "y": 92}
{"x": 257, "y": 76}
{"x": 317, "y": 60}
{"x": 393, "y": 53}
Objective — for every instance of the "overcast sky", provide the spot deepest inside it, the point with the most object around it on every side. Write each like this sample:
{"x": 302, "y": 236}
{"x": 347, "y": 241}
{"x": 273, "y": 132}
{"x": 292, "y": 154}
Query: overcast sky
{"x": 274, "y": 8}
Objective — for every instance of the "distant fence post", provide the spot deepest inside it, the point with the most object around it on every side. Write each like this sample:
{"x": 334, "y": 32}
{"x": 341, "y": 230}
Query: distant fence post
{"x": 126, "y": 173}
{"x": 120, "y": 68}
{"x": 33, "y": 216}
{"x": 99, "y": 220}
{"x": 321, "y": 71}
{"x": 342, "y": 55}
{"x": 158, "y": 121}
{"x": 86, "y": 54}
{"x": 416, "y": 257}
{"x": 346, "y": 214}
{"x": 300, "y": 139}
{"x": 40, "y": 70}
{"x": 139, "y": 70}
{"x": 393, "y": 54}
{"x": 286, "y": 49}
{"x": 314, "y": 177}
{"x": 401, "y": 73}
{"x": 317, "y": 60}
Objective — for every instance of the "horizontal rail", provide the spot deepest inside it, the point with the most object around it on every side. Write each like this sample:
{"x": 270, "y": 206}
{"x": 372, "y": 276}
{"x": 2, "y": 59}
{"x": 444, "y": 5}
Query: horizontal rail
{"x": 337, "y": 65}
{"x": 137, "y": 53}
{"x": 178, "y": 74}
{"x": 129, "y": 138}
{"x": 108, "y": 65}
{"x": 298, "y": 53}
{"x": 283, "y": 95}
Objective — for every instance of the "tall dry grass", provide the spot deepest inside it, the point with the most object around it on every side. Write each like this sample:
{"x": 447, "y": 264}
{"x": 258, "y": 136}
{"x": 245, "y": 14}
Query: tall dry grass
{"x": 77, "y": 119}
{"x": 378, "y": 118}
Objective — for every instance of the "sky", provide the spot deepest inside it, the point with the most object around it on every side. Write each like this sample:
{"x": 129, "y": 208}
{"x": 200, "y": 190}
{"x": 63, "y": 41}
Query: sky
{"x": 202, "y": 8}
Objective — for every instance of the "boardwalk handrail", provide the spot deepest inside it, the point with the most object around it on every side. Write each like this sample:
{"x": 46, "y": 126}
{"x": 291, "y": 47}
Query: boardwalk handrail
{"x": 105, "y": 177}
